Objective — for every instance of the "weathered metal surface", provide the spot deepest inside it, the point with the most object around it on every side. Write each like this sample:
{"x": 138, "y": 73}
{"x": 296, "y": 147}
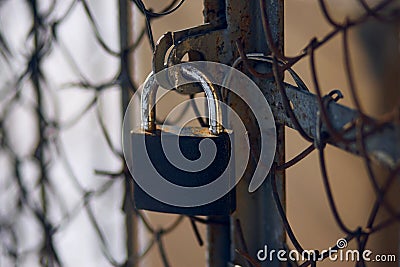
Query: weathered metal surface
{"x": 131, "y": 218}
{"x": 218, "y": 241}
{"x": 216, "y": 41}
{"x": 306, "y": 108}
{"x": 260, "y": 221}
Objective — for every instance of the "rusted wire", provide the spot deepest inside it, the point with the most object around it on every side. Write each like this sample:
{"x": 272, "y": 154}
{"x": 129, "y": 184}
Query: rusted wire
{"x": 50, "y": 148}
{"x": 281, "y": 210}
{"x": 296, "y": 159}
{"x": 242, "y": 241}
{"x": 364, "y": 126}
{"x": 196, "y": 231}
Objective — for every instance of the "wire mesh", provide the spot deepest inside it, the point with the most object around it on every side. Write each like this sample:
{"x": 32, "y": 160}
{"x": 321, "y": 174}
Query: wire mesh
{"x": 36, "y": 194}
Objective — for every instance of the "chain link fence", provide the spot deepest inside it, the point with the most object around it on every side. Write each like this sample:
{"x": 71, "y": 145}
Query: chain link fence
{"x": 65, "y": 189}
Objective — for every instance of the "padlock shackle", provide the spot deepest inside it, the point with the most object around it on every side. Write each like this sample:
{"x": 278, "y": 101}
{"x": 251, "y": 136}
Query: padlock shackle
{"x": 148, "y": 109}
{"x": 213, "y": 100}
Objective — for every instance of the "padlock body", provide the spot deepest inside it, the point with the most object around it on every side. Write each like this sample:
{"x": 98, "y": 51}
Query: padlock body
{"x": 189, "y": 141}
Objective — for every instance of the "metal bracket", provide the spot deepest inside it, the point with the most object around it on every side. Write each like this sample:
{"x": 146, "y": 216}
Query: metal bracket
{"x": 191, "y": 42}
{"x": 213, "y": 41}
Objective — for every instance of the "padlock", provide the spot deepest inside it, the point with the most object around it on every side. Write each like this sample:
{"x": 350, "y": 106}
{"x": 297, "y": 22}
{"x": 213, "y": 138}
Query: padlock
{"x": 162, "y": 186}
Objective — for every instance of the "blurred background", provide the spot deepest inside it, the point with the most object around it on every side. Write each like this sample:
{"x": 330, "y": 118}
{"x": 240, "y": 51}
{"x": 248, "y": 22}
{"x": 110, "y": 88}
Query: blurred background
{"x": 73, "y": 179}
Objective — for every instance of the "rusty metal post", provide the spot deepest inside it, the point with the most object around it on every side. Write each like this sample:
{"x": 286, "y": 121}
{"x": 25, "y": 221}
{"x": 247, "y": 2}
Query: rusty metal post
{"x": 219, "y": 252}
{"x": 258, "y": 216}
{"x": 259, "y": 219}
{"x": 131, "y": 219}
{"x": 219, "y": 242}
